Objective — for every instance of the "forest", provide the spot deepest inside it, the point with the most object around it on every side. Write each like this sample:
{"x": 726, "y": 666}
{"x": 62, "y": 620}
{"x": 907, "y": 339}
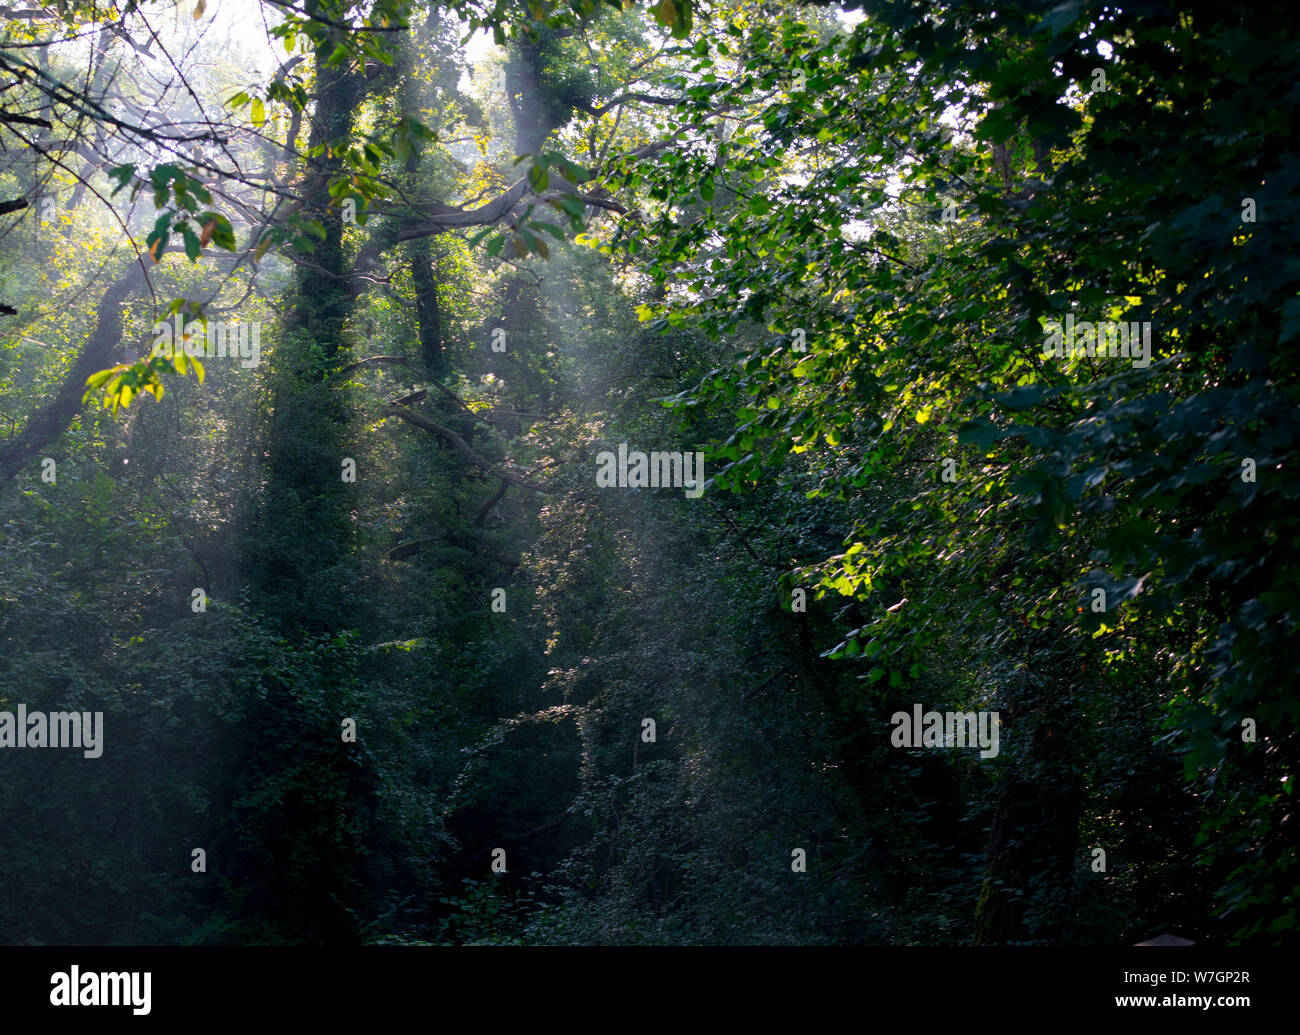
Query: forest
{"x": 704, "y": 472}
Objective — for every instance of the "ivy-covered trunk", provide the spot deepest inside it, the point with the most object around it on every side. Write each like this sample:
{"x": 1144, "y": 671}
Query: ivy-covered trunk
{"x": 298, "y": 806}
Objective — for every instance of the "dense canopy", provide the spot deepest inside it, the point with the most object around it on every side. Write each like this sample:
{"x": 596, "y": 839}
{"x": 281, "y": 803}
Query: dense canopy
{"x": 730, "y": 472}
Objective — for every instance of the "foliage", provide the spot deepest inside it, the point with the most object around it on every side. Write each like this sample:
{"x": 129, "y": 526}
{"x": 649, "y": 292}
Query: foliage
{"x": 823, "y": 250}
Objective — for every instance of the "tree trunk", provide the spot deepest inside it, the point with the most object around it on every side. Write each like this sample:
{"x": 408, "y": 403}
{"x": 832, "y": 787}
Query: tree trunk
{"x": 49, "y": 422}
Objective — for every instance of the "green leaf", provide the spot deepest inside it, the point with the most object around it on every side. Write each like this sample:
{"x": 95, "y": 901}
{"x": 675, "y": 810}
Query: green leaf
{"x": 979, "y": 432}
{"x": 191, "y": 239}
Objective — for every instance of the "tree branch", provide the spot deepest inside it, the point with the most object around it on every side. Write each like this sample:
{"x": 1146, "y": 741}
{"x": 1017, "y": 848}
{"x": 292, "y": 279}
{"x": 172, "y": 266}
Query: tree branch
{"x": 463, "y": 448}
